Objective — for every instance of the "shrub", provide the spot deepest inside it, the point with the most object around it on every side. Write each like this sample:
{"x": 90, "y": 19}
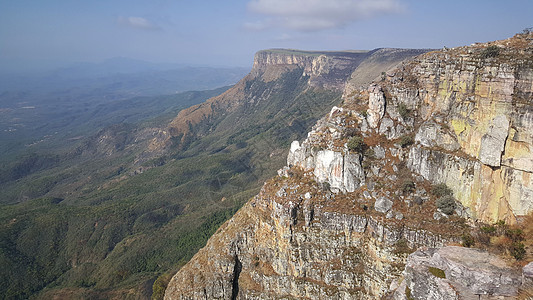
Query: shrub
{"x": 441, "y": 190}
{"x": 490, "y": 51}
{"x": 403, "y": 110}
{"x": 437, "y": 272}
{"x": 324, "y": 186}
{"x": 370, "y": 153}
{"x": 446, "y": 204}
{"x": 468, "y": 240}
{"x": 350, "y": 131}
{"x": 518, "y": 250}
{"x": 401, "y": 247}
{"x": 515, "y": 234}
{"x": 406, "y": 140}
{"x": 408, "y": 294}
{"x": 356, "y": 144}
{"x": 159, "y": 286}
{"x": 488, "y": 229}
{"x": 408, "y": 186}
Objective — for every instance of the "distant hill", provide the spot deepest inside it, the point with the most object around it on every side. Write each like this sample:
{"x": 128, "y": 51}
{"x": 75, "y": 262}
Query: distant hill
{"x": 71, "y": 102}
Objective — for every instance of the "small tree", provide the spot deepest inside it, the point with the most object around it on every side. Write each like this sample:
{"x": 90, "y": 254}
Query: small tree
{"x": 446, "y": 204}
{"x": 406, "y": 140}
{"x": 468, "y": 240}
{"x": 518, "y": 250}
{"x": 408, "y": 186}
{"x": 403, "y": 110}
{"x": 441, "y": 190}
{"x": 356, "y": 144}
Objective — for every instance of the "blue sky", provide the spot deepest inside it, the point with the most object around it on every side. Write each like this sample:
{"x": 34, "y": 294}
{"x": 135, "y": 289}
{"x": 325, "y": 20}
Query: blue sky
{"x": 215, "y": 32}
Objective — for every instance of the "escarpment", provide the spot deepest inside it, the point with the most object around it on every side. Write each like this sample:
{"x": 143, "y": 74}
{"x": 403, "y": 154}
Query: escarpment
{"x": 321, "y": 70}
{"x": 359, "y": 194}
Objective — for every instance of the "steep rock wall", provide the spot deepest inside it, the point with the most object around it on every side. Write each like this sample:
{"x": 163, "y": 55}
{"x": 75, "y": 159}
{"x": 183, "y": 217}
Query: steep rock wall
{"x": 483, "y": 105}
{"x": 289, "y": 242}
{"x": 339, "y": 221}
{"x": 324, "y": 70}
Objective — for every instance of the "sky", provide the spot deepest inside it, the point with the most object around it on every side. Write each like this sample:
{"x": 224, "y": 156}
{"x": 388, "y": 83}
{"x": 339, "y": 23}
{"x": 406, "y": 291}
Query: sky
{"x": 43, "y": 34}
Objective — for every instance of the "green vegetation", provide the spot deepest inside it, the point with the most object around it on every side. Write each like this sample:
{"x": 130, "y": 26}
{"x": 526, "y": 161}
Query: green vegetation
{"x": 518, "y": 250}
{"x": 403, "y": 110}
{"x": 402, "y": 247}
{"x": 123, "y": 229}
{"x": 406, "y": 140}
{"x": 488, "y": 229}
{"x": 490, "y": 51}
{"x": 356, "y": 144}
{"x": 440, "y": 190}
{"x": 160, "y": 285}
{"x": 437, "y": 272}
{"x": 446, "y": 204}
{"x": 509, "y": 239}
{"x": 408, "y": 186}
{"x": 408, "y": 294}
{"x": 445, "y": 200}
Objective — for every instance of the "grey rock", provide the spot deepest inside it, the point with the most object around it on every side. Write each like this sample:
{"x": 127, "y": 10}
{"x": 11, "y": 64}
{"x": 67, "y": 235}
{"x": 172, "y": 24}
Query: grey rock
{"x": 387, "y": 125}
{"x": 467, "y": 273}
{"x": 431, "y": 134}
{"x": 399, "y": 216}
{"x": 383, "y": 205}
{"x": 379, "y": 152}
{"x": 376, "y": 105}
{"x": 438, "y": 215}
{"x": 493, "y": 142}
{"x": 527, "y": 275}
{"x": 375, "y": 170}
{"x": 281, "y": 192}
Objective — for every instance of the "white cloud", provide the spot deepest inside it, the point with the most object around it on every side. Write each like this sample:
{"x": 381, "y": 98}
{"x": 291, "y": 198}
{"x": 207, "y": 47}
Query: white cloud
{"x": 137, "y": 22}
{"x": 314, "y": 15}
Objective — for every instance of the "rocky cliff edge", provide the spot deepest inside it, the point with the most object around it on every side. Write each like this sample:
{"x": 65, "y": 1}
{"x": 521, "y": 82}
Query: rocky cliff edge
{"x": 358, "y": 195}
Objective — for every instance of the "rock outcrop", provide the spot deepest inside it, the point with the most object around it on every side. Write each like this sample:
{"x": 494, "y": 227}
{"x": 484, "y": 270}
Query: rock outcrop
{"x": 356, "y": 195}
{"x": 292, "y": 241}
{"x": 458, "y": 273}
{"x": 483, "y": 105}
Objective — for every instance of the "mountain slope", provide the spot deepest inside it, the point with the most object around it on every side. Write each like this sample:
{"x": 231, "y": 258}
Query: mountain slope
{"x": 133, "y": 202}
{"x": 412, "y": 161}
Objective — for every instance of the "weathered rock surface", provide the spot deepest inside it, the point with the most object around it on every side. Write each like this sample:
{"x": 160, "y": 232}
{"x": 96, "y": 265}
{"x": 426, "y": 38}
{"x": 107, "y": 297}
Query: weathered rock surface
{"x": 339, "y": 221}
{"x": 475, "y": 131}
{"x": 340, "y": 169}
{"x": 457, "y": 273}
{"x": 297, "y": 247}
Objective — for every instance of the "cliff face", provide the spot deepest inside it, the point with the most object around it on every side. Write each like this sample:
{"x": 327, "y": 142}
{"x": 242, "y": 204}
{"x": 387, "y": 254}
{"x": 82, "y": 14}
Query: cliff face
{"x": 292, "y": 240}
{"x": 323, "y": 70}
{"x": 475, "y": 124}
{"x": 356, "y": 196}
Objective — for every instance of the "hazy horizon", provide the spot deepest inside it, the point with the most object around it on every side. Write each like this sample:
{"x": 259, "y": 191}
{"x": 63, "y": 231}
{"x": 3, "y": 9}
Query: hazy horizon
{"x": 47, "y": 35}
